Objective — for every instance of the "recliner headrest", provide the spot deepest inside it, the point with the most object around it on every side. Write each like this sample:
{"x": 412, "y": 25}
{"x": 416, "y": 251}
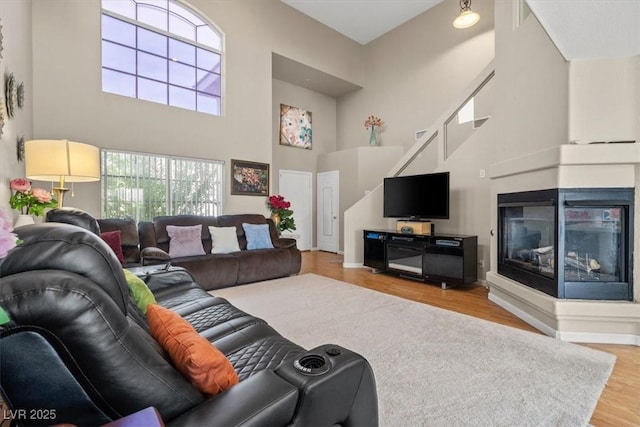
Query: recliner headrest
{"x": 74, "y": 216}
{"x": 54, "y": 246}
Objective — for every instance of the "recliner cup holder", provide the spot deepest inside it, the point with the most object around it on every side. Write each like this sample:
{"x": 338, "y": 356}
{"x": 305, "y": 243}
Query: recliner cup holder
{"x": 312, "y": 364}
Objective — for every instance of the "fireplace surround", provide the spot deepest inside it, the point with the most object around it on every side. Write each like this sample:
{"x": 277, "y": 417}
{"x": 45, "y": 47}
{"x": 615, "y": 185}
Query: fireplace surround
{"x": 606, "y": 168}
{"x": 568, "y": 243}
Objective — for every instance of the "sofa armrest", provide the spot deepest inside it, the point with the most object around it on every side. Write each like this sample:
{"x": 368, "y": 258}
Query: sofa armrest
{"x": 152, "y": 255}
{"x": 337, "y": 388}
{"x": 284, "y": 242}
{"x": 262, "y": 399}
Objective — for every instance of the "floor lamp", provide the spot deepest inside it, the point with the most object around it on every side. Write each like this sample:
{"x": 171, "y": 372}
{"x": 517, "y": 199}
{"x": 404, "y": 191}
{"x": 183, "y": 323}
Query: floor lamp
{"x": 61, "y": 161}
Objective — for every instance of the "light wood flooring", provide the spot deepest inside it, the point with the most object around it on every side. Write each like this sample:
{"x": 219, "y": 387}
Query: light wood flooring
{"x": 619, "y": 404}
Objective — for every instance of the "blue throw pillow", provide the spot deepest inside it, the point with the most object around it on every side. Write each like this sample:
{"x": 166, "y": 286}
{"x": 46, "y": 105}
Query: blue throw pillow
{"x": 258, "y": 236}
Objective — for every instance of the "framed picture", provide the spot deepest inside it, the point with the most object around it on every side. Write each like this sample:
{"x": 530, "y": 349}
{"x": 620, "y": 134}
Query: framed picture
{"x": 295, "y": 127}
{"x": 249, "y": 178}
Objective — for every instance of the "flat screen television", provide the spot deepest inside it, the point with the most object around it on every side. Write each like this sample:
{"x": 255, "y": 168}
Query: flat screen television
{"x": 417, "y": 197}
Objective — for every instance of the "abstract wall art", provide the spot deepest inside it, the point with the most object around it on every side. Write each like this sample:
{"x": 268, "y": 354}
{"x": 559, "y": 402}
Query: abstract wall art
{"x": 295, "y": 127}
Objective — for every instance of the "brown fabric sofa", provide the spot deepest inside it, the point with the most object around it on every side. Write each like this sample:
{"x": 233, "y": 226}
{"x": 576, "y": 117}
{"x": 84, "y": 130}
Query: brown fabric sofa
{"x": 213, "y": 271}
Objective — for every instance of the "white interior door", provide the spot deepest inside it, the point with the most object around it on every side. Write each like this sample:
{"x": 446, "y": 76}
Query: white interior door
{"x": 328, "y": 191}
{"x": 297, "y": 188}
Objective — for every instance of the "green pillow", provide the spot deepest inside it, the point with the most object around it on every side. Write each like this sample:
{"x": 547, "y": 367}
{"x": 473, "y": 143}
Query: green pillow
{"x": 139, "y": 291}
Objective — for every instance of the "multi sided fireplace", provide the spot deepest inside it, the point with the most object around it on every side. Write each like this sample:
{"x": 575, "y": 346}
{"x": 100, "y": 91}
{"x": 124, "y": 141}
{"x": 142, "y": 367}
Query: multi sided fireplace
{"x": 568, "y": 243}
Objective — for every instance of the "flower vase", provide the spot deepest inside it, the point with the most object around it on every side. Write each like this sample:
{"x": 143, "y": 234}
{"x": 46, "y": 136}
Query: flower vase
{"x": 23, "y": 220}
{"x": 276, "y": 220}
{"x": 372, "y": 138}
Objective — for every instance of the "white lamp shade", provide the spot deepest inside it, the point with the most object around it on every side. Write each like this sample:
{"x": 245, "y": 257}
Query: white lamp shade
{"x": 61, "y": 160}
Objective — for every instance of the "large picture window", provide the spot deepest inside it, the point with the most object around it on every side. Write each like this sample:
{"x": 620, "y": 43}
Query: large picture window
{"x": 160, "y": 51}
{"x": 142, "y": 186}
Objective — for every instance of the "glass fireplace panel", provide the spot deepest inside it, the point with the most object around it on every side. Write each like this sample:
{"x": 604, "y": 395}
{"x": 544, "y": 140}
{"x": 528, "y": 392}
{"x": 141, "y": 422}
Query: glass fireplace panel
{"x": 594, "y": 250}
{"x": 528, "y": 238}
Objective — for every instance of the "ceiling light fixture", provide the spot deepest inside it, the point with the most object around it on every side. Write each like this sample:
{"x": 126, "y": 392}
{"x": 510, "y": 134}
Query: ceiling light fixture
{"x": 467, "y": 17}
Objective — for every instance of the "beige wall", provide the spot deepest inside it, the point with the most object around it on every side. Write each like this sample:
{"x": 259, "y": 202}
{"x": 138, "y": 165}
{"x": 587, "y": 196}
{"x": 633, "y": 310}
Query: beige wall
{"x": 361, "y": 170}
{"x": 323, "y": 109}
{"x": 603, "y": 99}
{"x": 16, "y": 59}
{"x": 413, "y": 73}
{"x": 323, "y": 116}
{"x": 69, "y": 102}
{"x": 532, "y": 96}
{"x": 532, "y": 88}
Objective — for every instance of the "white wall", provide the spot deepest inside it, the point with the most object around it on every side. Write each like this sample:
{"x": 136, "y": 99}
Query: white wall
{"x": 15, "y": 19}
{"x": 69, "y": 102}
{"x": 603, "y": 99}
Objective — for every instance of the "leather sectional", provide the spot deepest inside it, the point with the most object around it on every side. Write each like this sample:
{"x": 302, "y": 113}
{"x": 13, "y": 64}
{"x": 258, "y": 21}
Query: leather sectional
{"x": 78, "y": 350}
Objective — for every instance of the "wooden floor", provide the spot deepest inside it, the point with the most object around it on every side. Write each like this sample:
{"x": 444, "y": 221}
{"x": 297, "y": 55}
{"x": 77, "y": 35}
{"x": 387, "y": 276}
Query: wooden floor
{"x": 619, "y": 404}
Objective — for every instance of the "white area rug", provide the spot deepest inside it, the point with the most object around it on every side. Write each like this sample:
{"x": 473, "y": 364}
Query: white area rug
{"x": 434, "y": 367}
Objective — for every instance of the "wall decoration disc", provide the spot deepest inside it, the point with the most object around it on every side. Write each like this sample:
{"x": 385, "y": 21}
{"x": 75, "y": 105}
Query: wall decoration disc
{"x": 20, "y": 95}
{"x": 10, "y": 94}
{"x": 20, "y": 149}
{"x": 1, "y": 117}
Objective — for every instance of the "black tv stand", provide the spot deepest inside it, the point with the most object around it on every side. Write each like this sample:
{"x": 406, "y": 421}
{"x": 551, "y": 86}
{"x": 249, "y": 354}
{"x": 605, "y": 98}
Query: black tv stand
{"x": 450, "y": 259}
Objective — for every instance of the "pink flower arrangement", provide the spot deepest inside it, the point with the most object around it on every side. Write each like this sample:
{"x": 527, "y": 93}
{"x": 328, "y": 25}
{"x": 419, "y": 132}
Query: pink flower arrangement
{"x": 373, "y": 121}
{"x": 8, "y": 240}
{"x": 30, "y": 201}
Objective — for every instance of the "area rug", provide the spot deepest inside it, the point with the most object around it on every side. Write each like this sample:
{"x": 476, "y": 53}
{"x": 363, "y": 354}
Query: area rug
{"x": 435, "y": 367}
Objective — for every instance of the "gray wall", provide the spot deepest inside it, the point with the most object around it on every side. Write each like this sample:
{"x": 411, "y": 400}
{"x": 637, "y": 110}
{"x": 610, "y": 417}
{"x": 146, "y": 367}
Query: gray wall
{"x": 15, "y": 19}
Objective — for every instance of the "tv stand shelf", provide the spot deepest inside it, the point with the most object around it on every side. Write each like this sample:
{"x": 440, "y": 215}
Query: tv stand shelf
{"x": 448, "y": 259}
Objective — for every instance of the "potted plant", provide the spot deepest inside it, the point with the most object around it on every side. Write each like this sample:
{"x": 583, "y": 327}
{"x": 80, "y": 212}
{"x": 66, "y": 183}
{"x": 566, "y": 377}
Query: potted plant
{"x": 29, "y": 201}
{"x": 281, "y": 215}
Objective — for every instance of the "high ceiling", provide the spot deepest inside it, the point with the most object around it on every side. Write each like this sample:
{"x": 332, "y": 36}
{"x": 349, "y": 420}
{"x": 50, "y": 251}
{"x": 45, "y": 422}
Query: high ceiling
{"x": 362, "y": 20}
{"x": 581, "y": 29}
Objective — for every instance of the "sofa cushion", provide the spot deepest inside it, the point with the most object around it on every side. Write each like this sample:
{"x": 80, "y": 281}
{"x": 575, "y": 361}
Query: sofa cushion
{"x": 139, "y": 291}
{"x": 223, "y": 240}
{"x": 113, "y": 239}
{"x": 130, "y": 242}
{"x": 262, "y": 264}
{"x": 258, "y": 236}
{"x": 237, "y": 221}
{"x": 211, "y": 271}
{"x": 195, "y": 357}
{"x": 185, "y": 240}
{"x": 160, "y": 224}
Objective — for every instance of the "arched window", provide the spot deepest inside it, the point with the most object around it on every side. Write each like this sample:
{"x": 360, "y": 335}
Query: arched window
{"x": 160, "y": 51}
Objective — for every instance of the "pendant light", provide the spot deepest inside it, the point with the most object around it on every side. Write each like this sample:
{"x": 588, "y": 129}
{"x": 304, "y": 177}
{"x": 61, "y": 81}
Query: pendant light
{"x": 467, "y": 17}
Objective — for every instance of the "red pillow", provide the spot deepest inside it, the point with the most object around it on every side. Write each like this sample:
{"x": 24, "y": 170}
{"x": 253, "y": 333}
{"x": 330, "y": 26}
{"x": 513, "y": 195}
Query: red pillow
{"x": 195, "y": 357}
{"x": 114, "y": 240}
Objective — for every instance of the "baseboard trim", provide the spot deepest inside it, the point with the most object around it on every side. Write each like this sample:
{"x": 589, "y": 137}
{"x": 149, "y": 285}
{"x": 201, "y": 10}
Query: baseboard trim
{"x": 542, "y": 327}
{"x": 352, "y": 265}
{"x": 592, "y": 337}
{"x": 575, "y": 337}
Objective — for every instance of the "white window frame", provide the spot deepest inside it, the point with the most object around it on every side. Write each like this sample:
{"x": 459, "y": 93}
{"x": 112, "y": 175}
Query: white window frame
{"x": 136, "y": 195}
{"x": 171, "y": 35}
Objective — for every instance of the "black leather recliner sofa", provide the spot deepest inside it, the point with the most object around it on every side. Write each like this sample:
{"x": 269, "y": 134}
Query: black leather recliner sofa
{"x": 78, "y": 350}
